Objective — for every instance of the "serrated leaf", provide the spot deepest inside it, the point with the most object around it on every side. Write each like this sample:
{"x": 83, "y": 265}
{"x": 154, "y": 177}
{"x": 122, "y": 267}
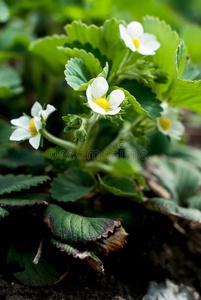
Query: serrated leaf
{"x": 17, "y": 202}
{"x": 10, "y": 82}
{"x": 195, "y": 201}
{"x": 46, "y": 272}
{"x": 71, "y": 186}
{"x": 47, "y": 50}
{"x": 72, "y": 228}
{"x": 5, "y": 132}
{"x": 20, "y": 157}
{"x": 119, "y": 186}
{"x": 142, "y": 99}
{"x": 94, "y": 261}
{"x": 187, "y": 94}
{"x": 165, "y": 55}
{"x": 3, "y": 213}
{"x": 14, "y": 183}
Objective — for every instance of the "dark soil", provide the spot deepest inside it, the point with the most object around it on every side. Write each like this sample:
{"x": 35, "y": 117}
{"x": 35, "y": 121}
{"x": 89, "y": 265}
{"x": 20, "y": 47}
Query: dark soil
{"x": 155, "y": 251}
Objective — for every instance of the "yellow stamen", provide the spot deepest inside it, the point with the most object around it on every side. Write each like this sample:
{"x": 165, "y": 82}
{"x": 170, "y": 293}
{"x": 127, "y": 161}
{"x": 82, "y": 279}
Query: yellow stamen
{"x": 136, "y": 42}
{"x": 165, "y": 123}
{"x": 103, "y": 103}
{"x": 32, "y": 127}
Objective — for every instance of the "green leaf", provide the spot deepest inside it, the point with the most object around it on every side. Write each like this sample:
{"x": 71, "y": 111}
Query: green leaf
{"x": 4, "y": 12}
{"x": 71, "y": 186}
{"x": 94, "y": 261}
{"x": 17, "y": 202}
{"x": 47, "y": 50}
{"x": 195, "y": 201}
{"x": 10, "y": 82}
{"x": 119, "y": 186}
{"x": 92, "y": 64}
{"x": 105, "y": 38}
{"x": 5, "y": 132}
{"x": 3, "y": 213}
{"x": 142, "y": 99}
{"x": 77, "y": 74}
{"x": 177, "y": 176}
{"x": 6, "y": 55}
{"x": 171, "y": 209}
{"x": 46, "y": 272}
{"x": 72, "y": 228}
{"x": 187, "y": 94}
{"x": 14, "y": 183}
{"x": 20, "y": 157}
{"x": 165, "y": 55}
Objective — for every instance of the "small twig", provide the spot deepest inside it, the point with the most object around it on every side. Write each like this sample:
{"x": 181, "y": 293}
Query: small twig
{"x": 38, "y": 254}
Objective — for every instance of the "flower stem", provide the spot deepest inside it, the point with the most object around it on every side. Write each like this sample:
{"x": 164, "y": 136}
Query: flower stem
{"x": 58, "y": 141}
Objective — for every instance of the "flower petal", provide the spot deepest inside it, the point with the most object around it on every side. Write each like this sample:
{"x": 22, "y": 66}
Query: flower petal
{"x": 35, "y": 141}
{"x": 37, "y": 123}
{"x": 113, "y": 111}
{"x": 177, "y": 128}
{"x": 126, "y": 38}
{"x": 88, "y": 93}
{"x": 19, "y": 134}
{"x": 115, "y": 99}
{"x": 145, "y": 51}
{"x": 96, "y": 108}
{"x": 45, "y": 113}
{"x": 99, "y": 87}
{"x": 23, "y": 122}
{"x": 134, "y": 29}
{"x": 36, "y": 108}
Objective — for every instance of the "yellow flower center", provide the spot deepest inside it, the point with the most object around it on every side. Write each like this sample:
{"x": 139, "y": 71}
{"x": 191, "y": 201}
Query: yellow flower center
{"x": 165, "y": 123}
{"x": 136, "y": 43}
{"x": 32, "y": 127}
{"x": 103, "y": 103}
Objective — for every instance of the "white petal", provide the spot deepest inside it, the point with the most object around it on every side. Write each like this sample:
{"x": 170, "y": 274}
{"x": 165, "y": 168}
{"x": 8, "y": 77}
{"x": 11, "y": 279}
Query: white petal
{"x": 116, "y": 98}
{"x": 126, "y": 38}
{"x": 113, "y": 111}
{"x": 35, "y": 141}
{"x": 145, "y": 51}
{"x": 37, "y": 123}
{"x": 99, "y": 87}
{"x": 23, "y": 122}
{"x": 95, "y": 107}
{"x": 177, "y": 128}
{"x": 45, "y": 113}
{"x": 147, "y": 38}
{"x": 88, "y": 93}
{"x": 134, "y": 29}
{"x": 36, "y": 108}
{"x": 19, "y": 134}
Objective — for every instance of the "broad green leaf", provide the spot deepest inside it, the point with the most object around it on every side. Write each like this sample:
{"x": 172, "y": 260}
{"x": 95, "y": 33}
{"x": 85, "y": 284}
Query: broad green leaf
{"x": 105, "y": 38}
{"x": 5, "y": 132}
{"x": 94, "y": 261}
{"x": 93, "y": 64}
{"x": 77, "y": 74}
{"x": 4, "y": 12}
{"x": 187, "y": 94}
{"x": 177, "y": 176}
{"x": 14, "y": 183}
{"x": 20, "y": 157}
{"x": 119, "y": 186}
{"x": 3, "y": 213}
{"x": 72, "y": 228}
{"x": 17, "y": 202}
{"x": 71, "y": 186}
{"x": 46, "y": 272}
{"x": 195, "y": 201}
{"x": 191, "y": 72}
{"x": 165, "y": 55}
{"x": 170, "y": 208}
{"x": 142, "y": 99}
{"x": 10, "y": 82}
{"x": 47, "y": 50}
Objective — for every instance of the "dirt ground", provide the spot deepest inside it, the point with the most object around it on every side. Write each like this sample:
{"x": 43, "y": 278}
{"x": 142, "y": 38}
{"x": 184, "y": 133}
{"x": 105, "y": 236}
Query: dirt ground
{"x": 155, "y": 251}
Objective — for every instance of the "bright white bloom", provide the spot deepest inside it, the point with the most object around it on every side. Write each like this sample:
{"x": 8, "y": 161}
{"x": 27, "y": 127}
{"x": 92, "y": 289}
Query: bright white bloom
{"x": 96, "y": 95}
{"x": 134, "y": 37}
{"x": 29, "y": 128}
{"x": 168, "y": 123}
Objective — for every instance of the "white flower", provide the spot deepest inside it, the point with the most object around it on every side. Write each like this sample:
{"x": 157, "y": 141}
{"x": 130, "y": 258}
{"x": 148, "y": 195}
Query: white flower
{"x": 134, "y": 37}
{"x": 168, "y": 123}
{"x": 96, "y": 95}
{"x": 29, "y": 128}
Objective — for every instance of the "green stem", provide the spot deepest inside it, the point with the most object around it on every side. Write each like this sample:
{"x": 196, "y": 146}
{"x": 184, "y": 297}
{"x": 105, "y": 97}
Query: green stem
{"x": 58, "y": 141}
{"x": 99, "y": 166}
